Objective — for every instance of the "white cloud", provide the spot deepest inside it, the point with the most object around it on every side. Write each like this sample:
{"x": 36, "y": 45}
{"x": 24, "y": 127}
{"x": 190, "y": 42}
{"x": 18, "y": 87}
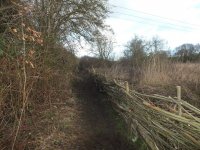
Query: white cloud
{"x": 135, "y": 22}
{"x": 176, "y": 33}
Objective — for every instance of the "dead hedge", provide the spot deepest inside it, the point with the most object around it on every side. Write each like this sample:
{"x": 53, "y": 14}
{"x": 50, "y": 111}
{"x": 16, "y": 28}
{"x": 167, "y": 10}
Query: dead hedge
{"x": 154, "y": 118}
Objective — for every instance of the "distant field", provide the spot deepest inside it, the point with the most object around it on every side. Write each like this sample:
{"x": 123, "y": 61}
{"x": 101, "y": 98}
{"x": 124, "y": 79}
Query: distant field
{"x": 162, "y": 77}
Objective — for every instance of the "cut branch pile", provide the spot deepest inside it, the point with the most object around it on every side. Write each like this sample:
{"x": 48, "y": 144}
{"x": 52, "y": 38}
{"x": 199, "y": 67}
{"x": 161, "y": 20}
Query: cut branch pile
{"x": 154, "y": 118}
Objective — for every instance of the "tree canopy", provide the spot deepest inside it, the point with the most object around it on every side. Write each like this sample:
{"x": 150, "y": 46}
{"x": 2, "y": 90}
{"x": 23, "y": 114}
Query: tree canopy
{"x": 67, "y": 21}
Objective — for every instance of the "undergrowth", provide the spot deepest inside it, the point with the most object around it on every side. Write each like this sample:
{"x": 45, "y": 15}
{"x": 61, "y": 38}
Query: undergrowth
{"x": 160, "y": 77}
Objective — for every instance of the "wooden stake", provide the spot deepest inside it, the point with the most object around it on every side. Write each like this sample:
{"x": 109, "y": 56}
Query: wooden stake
{"x": 127, "y": 86}
{"x": 93, "y": 70}
{"x": 179, "y": 99}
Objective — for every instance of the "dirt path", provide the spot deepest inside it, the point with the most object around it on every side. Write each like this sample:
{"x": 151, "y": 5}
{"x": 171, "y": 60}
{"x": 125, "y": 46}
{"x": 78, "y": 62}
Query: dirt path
{"x": 95, "y": 128}
{"x": 82, "y": 123}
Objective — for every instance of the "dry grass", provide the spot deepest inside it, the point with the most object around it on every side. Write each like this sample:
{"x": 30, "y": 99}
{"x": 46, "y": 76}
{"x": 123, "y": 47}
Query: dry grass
{"x": 161, "y": 76}
{"x": 116, "y": 72}
{"x": 166, "y": 72}
{"x": 156, "y": 73}
{"x": 188, "y": 73}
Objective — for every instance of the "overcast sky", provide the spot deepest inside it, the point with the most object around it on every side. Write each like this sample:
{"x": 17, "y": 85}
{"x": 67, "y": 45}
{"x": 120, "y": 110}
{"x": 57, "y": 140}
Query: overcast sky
{"x": 176, "y": 21}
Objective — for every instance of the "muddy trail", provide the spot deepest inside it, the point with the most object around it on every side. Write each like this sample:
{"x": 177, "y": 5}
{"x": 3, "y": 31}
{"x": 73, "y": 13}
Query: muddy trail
{"x": 96, "y": 124}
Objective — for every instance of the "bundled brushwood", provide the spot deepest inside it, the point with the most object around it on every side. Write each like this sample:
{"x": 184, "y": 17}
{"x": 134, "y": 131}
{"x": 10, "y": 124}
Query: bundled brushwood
{"x": 155, "y": 118}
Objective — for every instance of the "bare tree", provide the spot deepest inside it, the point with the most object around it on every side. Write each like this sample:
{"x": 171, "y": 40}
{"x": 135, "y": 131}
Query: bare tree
{"x": 157, "y": 44}
{"x": 188, "y": 52}
{"x": 136, "y": 51}
{"x": 102, "y": 47}
{"x": 68, "y": 20}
